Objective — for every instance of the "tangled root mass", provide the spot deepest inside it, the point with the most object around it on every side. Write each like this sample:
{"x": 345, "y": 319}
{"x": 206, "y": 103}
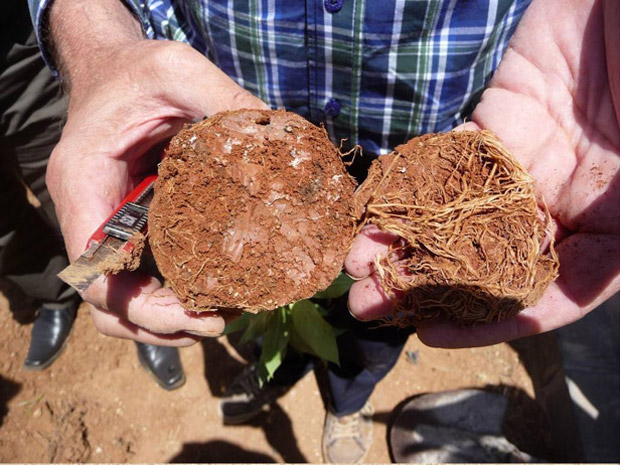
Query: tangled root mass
{"x": 470, "y": 229}
{"x": 254, "y": 209}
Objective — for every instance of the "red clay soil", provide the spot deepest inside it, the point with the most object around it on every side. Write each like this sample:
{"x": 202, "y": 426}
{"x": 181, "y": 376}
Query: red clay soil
{"x": 252, "y": 210}
{"x": 472, "y": 237}
{"x": 96, "y": 404}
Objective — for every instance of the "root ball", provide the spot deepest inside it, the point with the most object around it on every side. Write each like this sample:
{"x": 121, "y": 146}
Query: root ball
{"x": 470, "y": 229}
{"x": 252, "y": 210}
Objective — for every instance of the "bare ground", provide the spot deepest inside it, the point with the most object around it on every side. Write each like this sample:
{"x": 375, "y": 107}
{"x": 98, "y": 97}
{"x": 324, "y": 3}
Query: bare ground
{"x": 96, "y": 404}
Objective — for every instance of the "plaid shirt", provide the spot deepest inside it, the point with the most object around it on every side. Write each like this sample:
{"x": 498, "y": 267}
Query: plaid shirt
{"x": 375, "y": 72}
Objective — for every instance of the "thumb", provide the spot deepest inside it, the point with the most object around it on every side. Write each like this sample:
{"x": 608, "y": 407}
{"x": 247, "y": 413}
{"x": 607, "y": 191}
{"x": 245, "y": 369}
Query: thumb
{"x": 228, "y": 95}
{"x": 467, "y": 126}
{"x": 206, "y": 90}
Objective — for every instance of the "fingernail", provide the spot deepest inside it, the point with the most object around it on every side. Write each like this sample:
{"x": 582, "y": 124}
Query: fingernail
{"x": 355, "y": 316}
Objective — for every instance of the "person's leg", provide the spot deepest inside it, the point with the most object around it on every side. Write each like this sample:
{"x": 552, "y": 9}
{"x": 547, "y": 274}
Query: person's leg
{"x": 367, "y": 354}
{"x": 245, "y": 398}
{"x": 31, "y": 111}
{"x": 30, "y": 257}
{"x": 31, "y": 251}
{"x": 32, "y": 108}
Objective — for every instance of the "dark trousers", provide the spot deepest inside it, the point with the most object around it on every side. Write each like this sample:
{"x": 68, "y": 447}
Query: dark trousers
{"x": 367, "y": 354}
{"x": 31, "y": 111}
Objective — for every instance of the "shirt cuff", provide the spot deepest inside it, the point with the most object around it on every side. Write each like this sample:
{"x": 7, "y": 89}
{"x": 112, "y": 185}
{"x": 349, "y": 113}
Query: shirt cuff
{"x": 39, "y": 10}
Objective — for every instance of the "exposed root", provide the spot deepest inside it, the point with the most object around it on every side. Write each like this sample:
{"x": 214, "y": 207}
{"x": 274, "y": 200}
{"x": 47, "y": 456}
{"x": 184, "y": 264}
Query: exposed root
{"x": 468, "y": 214}
{"x": 355, "y": 151}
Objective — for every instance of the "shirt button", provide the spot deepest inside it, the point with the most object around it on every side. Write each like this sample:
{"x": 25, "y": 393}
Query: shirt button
{"x": 332, "y": 108}
{"x": 333, "y": 6}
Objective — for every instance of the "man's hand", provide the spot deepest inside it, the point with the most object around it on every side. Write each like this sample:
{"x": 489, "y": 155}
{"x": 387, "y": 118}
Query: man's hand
{"x": 555, "y": 103}
{"x": 127, "y": 96}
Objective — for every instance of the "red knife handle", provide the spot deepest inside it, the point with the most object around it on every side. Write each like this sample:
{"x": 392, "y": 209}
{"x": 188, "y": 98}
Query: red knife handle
{"x": 128, "y": 217}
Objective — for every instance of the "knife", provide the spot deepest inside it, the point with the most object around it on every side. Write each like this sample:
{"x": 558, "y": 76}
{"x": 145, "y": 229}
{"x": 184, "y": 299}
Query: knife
{"x": 111, "y": 244}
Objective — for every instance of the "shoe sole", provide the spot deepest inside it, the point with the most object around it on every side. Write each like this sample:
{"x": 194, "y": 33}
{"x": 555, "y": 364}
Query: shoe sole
{"x": 52, "y": 359}
{"x": 168, "y": 387}
{"x": 239, "y": 419}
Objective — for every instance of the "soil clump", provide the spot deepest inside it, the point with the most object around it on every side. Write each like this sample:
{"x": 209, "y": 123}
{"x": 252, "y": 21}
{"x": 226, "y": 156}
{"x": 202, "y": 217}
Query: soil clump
{"x": 127, "y": 258}
{"x": 252, "y": 210}
{"x": 471, "y": 233}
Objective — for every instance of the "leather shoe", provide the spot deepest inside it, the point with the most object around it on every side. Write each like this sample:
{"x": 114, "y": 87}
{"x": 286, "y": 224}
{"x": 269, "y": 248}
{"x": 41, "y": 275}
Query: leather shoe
{"x": 49, "y": 336}
{"x": 163, "y": 364}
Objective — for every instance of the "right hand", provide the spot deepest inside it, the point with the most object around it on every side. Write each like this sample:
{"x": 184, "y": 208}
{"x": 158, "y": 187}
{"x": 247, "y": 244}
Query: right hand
{"x": 140, "y": 95}
{"x": 554, "y": 101}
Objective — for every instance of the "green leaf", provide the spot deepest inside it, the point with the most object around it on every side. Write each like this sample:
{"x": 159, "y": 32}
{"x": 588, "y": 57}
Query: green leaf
{"x": 256, "y": 327}
{"x": 239, "y": 324}
{"x": 297, "y": 343}
{"x": 314, "y": 330}
{"x": 275, "y": 341}
{"x": 337, "y": 288}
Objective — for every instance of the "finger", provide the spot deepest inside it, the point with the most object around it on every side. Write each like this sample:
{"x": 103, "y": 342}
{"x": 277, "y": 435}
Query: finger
{"x": 207, "y": 89}
{"x": 448, "y": 335}
{"x": 612, "y": 45}
{"x": 581, "y": 287}
{"x": 370, "y": 243}
{"x": 141, "y": 300}
{"x": 85, "y": 188}
{"x": 88, "y": 188}
{"x": 554, "y": 310}
{"x": 368, "y": 300}
{"x": 228, "y": 95}
{"x": 468, "y": 126}
{"x": 113, "y": 326}
{"x": 149, "y": 305}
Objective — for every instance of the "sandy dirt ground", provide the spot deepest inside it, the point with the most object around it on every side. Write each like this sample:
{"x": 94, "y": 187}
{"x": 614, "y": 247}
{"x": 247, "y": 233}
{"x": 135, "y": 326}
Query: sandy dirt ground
{"x": 96, "y": 404}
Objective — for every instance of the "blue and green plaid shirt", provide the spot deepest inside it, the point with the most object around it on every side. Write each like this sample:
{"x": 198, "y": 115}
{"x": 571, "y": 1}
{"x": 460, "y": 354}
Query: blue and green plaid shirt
{"x": 375, "y": 72}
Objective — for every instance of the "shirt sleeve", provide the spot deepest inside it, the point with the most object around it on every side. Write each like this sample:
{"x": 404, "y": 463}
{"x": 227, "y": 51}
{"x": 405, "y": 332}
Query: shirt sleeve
{"x": 39, "y": 11}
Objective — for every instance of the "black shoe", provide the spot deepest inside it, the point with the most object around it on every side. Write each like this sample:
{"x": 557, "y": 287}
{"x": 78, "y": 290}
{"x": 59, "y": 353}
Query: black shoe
{"x": 246, "y": 398}
{"x": 163, "y": 364}
{"x": 49, "y": 336}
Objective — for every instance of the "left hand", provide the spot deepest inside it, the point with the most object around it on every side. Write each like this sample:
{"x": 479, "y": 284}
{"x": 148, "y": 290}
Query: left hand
{"x": 107, "y": 147}
{"x": 555, "y": 104}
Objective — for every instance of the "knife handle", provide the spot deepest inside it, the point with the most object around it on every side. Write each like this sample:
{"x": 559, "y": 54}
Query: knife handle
{"x": 129, "y": 217}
